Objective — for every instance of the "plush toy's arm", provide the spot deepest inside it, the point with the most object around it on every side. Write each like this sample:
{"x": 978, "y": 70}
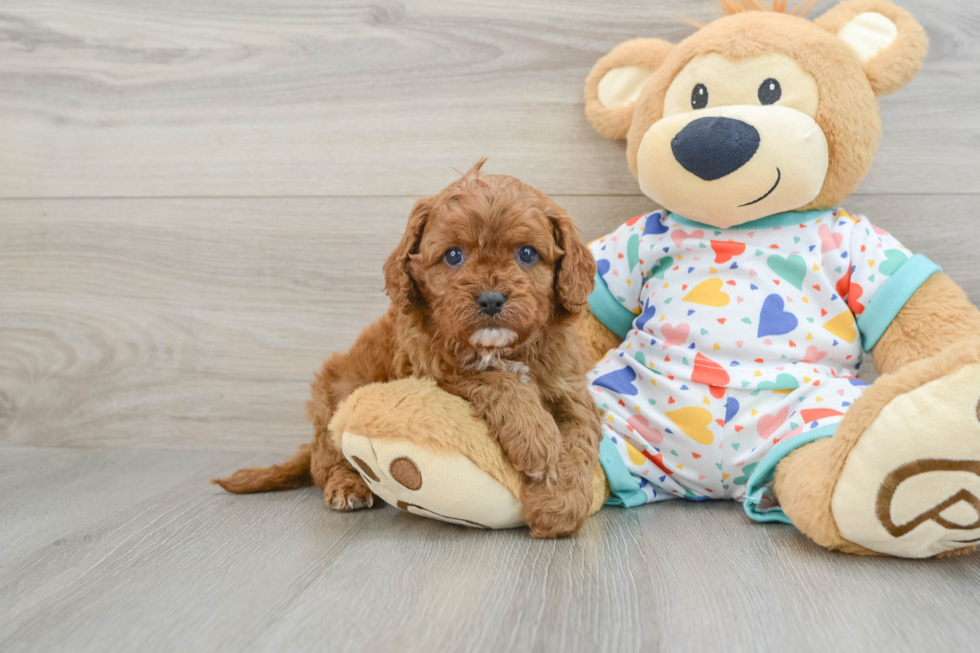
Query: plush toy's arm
{"x": 939, "y": 314}
{"x": 598, "y": 339}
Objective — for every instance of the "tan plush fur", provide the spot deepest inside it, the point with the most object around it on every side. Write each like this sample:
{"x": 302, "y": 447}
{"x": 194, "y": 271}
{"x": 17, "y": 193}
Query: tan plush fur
{"x": 614, "y": 122}
{"x": 899, "y": 63}
{"x": 848, "y": 108}
{"x": 529, "y": 390}
{"x": 419, "y": 411}
{"x": 596, "y": 336}
{"x": 939, "y": 313}
{"x": 805, "y": 480}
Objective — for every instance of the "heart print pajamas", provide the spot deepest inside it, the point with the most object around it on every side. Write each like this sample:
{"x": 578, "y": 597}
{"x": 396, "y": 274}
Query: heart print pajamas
{"x": 739, "y": 345}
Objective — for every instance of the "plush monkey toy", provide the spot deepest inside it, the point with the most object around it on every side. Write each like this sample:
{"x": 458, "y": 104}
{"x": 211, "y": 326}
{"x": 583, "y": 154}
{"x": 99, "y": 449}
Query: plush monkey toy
{"x": 731, "y": 324}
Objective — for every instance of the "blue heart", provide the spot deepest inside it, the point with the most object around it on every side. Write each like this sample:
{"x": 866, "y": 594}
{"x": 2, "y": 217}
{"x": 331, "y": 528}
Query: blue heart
{"x": 648, "y": 312}
{"x": 858, "y": 382}
{"x": 619, "y": 381}
{"x": 655, "y": 224}
{"x": 603, "y": 266}
{"x": 773, "y": 320}
{"x": 731, "y": 407}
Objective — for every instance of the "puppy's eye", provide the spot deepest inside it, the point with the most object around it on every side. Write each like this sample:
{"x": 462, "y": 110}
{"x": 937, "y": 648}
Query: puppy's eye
{"x": 770, "y": 91}
{"x": 699, "y": 97}
{"x": 453, "y": 256}
{"x": 527, "y": 254}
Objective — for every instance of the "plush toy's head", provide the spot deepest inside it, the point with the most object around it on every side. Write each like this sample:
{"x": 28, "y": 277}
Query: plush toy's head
{"x": 759, "y": 112}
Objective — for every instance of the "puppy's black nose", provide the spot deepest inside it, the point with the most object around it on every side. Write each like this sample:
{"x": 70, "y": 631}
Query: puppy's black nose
{"x": 491, "y": 303}
{"x": 714, "y": 147}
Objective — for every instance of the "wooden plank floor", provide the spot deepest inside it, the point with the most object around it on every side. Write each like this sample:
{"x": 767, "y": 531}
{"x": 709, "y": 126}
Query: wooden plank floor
{"x": 195, "y": 201}
{"x": 113, "y": 550}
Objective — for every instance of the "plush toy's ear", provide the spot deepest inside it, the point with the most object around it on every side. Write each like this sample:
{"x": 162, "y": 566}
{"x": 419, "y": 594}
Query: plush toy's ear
{"x": 399, "y": 283}
{"x": 889, "y": 42}
{"x": 616, "y": 81}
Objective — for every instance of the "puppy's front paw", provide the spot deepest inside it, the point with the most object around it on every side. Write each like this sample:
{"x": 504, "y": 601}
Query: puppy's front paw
{"x": 535, "y": 454}
{"x": 552, "y": 511}
{"x": 346, "y": 491}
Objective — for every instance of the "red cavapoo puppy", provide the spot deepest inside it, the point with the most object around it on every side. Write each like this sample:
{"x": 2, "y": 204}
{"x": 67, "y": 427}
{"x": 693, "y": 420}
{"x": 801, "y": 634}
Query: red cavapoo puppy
{"x": 485, "y": 287}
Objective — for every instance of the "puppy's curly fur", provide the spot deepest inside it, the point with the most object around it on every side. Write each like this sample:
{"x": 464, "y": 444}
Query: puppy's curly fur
{"x": 523, "y": 369}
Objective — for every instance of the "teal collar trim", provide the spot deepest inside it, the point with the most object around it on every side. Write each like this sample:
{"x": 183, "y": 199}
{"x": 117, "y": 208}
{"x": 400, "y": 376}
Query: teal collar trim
{"x": 787, "y": 219}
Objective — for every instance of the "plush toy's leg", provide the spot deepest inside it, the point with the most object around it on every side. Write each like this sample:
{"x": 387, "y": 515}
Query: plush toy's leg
{"x": 420, "y": 449}
{"x": 901, "y": 475}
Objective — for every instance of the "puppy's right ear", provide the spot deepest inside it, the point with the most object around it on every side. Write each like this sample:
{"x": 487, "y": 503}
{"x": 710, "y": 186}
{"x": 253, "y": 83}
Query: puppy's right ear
{"x": 399, "y": 283}
{"x": 616, "y": 81}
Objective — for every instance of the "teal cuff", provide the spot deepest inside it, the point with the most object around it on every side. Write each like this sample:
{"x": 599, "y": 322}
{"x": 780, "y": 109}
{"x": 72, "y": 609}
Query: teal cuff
{"x": 758, "y": 485}
{"x": 892, "y": 296}
{"x": 625, "y": 488}
{"x": 610, "y": 312}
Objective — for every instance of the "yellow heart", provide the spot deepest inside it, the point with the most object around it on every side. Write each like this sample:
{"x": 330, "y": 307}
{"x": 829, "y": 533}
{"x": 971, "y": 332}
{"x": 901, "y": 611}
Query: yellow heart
{"x": 842, "y": 326}
{"x": 636, "y": 457}
{"x": 693, "y": 421}
{"x": 708, "y": 293}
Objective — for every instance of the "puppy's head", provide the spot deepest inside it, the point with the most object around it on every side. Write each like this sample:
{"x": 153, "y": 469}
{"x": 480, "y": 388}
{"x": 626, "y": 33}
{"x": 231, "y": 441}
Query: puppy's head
{"x": 490, "y": 261}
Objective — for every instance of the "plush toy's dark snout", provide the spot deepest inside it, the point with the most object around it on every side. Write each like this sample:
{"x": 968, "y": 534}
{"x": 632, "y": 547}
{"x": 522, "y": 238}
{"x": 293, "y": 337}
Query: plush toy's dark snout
{"x": 714, "y": 147}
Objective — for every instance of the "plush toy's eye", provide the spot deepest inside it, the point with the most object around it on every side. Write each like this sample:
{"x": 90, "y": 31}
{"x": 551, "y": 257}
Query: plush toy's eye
{"x": 770, "y": 92}
{"x": 699, "y": 97}
{"x": 527, "y": 254}
{"x": 453, "y": 256}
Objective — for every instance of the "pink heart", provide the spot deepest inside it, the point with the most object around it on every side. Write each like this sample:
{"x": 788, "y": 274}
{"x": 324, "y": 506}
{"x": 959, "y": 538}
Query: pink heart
{"x": 679, "y": 236}
{"x": 753, "y": 273}
{"x": 741, "y": 299}
{"x": 738, "y": 343}
{"x": 701, "y": 477}
{"x": 642, "y": 426}
{"x": 769, "y": 423}
{"x": 829, "y": 241}
{"x": 813, "y": 355}
{"x": 675, "y": 335}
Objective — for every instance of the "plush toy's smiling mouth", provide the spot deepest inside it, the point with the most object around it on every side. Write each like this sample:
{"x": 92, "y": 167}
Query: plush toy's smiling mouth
{"x": 779, "y": 176}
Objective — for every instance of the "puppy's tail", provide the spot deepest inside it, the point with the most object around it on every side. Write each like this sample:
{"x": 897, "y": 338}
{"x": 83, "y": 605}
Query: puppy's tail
{"x": 290, "y": 475}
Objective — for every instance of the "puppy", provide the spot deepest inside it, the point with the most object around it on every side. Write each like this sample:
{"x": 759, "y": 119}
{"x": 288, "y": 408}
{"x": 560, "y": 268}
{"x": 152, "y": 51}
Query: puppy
{"x": 485, "y": 286}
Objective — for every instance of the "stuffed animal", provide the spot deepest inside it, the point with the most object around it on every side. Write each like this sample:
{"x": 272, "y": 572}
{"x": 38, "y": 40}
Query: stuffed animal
{"x": 730, "y": 325}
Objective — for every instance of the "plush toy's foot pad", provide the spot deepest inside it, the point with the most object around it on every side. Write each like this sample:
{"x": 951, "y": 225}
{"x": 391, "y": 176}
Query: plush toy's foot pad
{"x": 910, "y": 487}
{"x": 431, "y": 483}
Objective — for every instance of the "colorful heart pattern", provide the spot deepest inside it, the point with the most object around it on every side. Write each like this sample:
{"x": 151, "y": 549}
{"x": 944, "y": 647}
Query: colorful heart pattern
{"x": 743, "y": 338}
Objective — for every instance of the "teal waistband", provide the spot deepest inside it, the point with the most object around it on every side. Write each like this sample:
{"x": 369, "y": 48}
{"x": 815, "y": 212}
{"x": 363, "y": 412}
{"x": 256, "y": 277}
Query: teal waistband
{"x": 758, "y": 486}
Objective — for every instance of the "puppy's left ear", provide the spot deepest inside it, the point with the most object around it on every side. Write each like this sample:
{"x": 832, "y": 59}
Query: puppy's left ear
{"x": 888, "y": 41}
{"x": 575, "y": 267}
